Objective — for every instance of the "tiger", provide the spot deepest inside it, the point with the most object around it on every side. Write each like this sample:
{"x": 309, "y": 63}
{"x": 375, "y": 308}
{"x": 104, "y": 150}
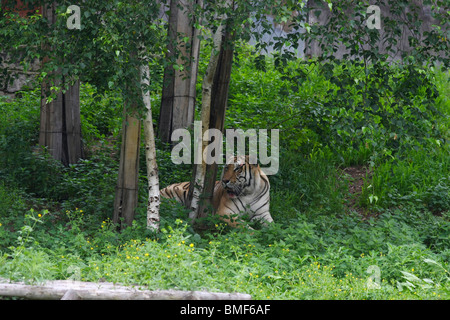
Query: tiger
{"x": 243, "y": 189}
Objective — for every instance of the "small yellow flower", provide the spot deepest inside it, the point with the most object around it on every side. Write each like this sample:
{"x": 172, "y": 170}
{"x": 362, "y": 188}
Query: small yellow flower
{"x": 191, "y": 245}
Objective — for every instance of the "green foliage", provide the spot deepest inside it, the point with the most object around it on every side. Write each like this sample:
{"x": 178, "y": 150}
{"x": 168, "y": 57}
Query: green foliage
{"x": 33, "y": 171}
{"x": 389, "y": 117}
{"x": 100, "y": 114}
{"x": 324, "y": 257}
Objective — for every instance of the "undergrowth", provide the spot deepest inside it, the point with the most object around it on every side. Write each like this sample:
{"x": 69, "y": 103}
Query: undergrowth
{"x": 55, "y": 221}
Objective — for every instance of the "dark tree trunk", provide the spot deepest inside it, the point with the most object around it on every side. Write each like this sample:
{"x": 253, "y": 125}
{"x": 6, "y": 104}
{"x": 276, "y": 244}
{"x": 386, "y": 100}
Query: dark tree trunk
{"x": 219, "y": 97}
{"x": 60, "y": 121}
{"x": 217, "y": 117}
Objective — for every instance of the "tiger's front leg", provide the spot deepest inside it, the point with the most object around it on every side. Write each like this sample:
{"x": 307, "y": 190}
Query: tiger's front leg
{"x": 227, "y": 215}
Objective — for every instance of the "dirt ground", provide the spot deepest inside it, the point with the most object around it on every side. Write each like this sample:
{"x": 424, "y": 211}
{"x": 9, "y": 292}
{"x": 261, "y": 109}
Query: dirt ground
{"x": 356, "y": 176}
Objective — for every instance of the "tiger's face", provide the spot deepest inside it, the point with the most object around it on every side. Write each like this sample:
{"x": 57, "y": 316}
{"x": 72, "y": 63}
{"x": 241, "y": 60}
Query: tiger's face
{"x": 237, "y": 175}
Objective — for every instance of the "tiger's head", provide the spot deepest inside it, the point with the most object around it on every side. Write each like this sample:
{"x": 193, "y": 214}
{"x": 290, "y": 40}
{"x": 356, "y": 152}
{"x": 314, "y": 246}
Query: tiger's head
{"x": 237, "y": 176}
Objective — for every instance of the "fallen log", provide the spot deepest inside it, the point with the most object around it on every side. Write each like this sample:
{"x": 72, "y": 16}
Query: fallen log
{"x": 78, "y": 290}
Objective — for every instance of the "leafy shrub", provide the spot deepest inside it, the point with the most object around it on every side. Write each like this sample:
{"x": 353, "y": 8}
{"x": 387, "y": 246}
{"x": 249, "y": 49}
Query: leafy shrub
{"x": 101, "y": 114}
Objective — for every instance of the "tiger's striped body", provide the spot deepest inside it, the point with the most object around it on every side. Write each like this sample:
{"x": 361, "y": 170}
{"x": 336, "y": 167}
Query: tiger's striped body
{"x": 243, "y": 189}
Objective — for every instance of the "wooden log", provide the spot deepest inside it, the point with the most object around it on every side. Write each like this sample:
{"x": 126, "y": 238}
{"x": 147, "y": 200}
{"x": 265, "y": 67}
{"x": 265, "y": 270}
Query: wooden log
{"x": 70, "y": 295}
{"x": 69, "y": 289}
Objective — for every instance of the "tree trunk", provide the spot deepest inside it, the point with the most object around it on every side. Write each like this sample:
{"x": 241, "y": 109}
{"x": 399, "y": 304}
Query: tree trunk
{"x": 199, "y": 173}
{"x": 60, "y": 120}
{"x": 73, "y": 123}
{"x": 51, "y": 123}
{"x": 150, "y": 155}
{"x": 219, "y": 98}
{"x": 214, "y": 102}
{"x": 179, "y": 86}
{"x": 126, "y": 197}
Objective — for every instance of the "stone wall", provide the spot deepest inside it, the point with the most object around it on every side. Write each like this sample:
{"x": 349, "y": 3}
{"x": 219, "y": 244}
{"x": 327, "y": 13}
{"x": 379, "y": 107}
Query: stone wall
{"x": 14, "y": 78}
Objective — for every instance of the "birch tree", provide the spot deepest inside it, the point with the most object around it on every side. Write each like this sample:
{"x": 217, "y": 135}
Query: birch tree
{"x": 150, "y": 154}
{"x": 232, "y": 20}
{"x": 199, "y": 174}
{"x": 136, "y": 75}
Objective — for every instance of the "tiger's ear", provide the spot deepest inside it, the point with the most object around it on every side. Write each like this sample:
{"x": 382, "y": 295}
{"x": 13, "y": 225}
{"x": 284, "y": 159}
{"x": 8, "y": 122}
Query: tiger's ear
{"x": 251, "y": 166}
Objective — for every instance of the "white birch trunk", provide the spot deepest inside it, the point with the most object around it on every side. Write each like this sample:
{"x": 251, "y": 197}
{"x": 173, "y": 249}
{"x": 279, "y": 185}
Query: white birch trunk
{"x": 199, "y": 179}
{"x": 150, "y": 155}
